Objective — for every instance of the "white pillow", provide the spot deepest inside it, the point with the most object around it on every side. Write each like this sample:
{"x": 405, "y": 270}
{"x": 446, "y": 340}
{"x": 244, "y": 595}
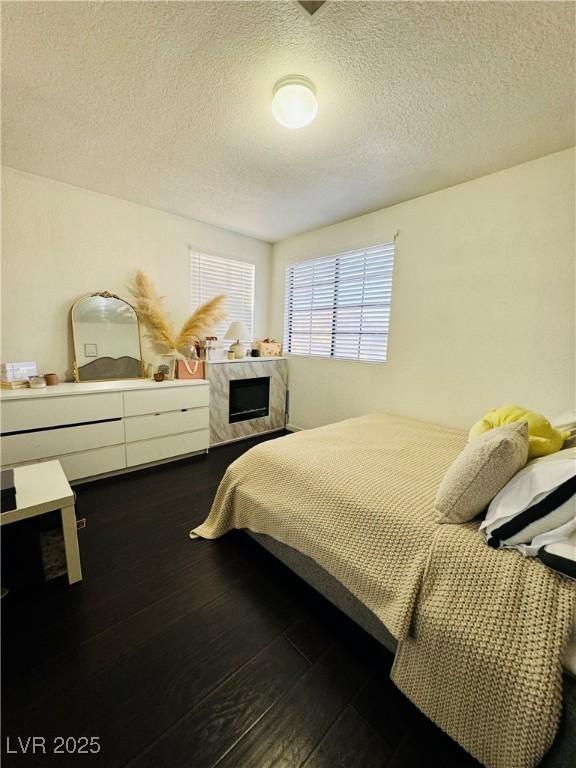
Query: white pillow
{"x": 561, "y": 556}
{"x": 566, "y": 422}
{"x": 538, "y": 500}
{"x": 566, "y": 418}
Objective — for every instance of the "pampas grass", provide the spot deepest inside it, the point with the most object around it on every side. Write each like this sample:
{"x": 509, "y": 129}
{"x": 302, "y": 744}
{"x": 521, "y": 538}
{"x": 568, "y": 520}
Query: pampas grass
{"x": 149, "y": 306}
{"x": 200, "y": 323}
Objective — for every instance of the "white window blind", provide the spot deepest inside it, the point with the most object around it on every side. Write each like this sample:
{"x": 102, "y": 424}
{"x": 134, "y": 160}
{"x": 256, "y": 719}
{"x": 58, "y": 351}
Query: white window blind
{"x": 339, "y": 306}
{"x": 213, "y": 275}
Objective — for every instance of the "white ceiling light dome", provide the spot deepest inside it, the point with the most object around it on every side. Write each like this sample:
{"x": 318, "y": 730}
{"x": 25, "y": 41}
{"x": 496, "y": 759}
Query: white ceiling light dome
{"x": 294, "y": 103}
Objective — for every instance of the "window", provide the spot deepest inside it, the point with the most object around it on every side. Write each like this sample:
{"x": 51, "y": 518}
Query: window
{"x": 211, "y": 275}
{"x": 340, "y": 306}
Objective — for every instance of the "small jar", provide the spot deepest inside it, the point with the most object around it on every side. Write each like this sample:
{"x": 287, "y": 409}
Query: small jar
{"x": 37, "y": 382}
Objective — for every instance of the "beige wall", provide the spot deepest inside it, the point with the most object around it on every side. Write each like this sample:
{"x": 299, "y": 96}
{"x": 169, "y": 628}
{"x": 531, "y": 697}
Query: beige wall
{"x": 483, "y": 309}
{"x": 60, "y": 242}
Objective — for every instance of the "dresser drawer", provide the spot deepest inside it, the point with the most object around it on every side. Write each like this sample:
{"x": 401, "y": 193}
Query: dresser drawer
{"x": 160, "y": 424}
{"x": 55, "y": 442}
{"x": 40, "y": 412}
{"x": 166, "y": 447}
{"x": 90, "y": 463}
{"x": 168, "y": 399}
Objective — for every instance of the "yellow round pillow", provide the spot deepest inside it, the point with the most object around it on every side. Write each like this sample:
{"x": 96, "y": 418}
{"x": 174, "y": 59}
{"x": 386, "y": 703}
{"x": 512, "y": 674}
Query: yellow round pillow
{"x": 543, "y": 439}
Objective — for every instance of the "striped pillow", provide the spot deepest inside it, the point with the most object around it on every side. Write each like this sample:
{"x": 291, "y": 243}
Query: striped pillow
{"x": 536, "y": 507}
{"x": 561, "y": 556}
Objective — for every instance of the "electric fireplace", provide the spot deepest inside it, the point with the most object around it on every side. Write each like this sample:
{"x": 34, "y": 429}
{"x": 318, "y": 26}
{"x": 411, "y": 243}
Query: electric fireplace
{"x": 249, "y": 399}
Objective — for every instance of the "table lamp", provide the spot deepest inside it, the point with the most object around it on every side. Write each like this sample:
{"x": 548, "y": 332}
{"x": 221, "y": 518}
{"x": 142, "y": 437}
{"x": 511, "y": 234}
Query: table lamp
{"x": 237, "y": 331}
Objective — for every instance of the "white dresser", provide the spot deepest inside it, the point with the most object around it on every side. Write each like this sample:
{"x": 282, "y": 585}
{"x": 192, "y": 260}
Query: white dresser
{"x": 101, "y": 427}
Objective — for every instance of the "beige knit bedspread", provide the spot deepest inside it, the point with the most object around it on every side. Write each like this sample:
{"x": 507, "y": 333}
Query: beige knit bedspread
{"x": 481, "y": 632}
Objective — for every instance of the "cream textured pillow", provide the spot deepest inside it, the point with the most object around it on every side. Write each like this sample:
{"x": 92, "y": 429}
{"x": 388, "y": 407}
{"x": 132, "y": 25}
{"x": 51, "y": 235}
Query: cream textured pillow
{"x": 480, "y": 471}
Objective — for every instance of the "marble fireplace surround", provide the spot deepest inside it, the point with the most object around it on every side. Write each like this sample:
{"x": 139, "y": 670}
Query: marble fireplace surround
{"x": 219, "y": 374}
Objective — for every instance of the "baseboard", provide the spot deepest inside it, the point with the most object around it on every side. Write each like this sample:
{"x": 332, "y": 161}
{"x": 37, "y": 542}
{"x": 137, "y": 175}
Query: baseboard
{"x": 247, "y": 437}
{"x": 293, "y": 428}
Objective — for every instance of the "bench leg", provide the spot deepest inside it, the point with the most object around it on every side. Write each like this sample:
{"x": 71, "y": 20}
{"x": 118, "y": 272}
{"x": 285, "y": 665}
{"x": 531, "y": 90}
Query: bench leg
{"x": 71, "y": 544}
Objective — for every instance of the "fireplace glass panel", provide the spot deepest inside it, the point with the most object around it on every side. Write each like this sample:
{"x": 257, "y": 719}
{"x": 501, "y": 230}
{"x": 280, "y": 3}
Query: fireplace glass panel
{"x": 249, "y": 398}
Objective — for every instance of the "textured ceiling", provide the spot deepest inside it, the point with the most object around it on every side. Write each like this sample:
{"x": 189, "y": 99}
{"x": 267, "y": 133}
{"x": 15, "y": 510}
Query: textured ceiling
{"x": 168, "y": 104}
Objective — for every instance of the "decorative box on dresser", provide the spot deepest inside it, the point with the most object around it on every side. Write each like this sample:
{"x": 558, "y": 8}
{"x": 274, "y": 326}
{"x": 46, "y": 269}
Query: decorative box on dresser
{"x": 247, "y": 397}
{"x": 99, "y": 428}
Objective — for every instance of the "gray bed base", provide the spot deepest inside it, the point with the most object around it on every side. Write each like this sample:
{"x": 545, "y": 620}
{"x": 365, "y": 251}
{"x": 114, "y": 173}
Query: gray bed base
{"x": 563, "y": 751}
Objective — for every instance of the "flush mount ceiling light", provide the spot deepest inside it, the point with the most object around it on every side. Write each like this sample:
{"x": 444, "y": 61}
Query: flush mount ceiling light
{"x": 294, "y": 103}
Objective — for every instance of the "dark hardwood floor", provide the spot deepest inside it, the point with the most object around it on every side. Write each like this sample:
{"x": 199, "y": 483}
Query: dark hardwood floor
{"x": 196, "y": 654}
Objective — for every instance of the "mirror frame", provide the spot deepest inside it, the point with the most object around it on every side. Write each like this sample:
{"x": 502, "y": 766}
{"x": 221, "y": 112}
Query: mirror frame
{"x": 104, "y": 295}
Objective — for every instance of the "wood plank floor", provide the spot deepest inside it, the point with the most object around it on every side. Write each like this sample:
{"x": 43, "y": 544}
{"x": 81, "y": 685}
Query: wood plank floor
{"x": 195, "y": 654}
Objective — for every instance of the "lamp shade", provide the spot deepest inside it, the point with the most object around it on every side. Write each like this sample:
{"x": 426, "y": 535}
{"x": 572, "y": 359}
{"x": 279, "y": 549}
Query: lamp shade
{"x": 238, "y": 332}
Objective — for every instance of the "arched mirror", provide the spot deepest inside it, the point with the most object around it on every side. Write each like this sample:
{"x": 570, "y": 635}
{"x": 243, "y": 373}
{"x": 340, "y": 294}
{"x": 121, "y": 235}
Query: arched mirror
{"x": 106, "y": 338}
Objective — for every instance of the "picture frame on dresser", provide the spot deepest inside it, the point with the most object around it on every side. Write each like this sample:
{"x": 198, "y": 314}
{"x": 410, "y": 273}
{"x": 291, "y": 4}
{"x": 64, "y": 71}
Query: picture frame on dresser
{"x": 165, "y": 364}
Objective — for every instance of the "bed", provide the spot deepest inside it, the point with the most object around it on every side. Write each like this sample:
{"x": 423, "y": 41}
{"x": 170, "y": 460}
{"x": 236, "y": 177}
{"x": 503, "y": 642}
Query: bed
{"x": 349, "y": 507}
